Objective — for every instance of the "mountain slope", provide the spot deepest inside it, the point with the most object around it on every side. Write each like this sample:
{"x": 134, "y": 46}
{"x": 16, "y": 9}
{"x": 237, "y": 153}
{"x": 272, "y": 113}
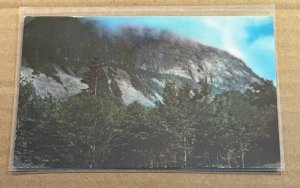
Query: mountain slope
{"x": 58, "y": 51}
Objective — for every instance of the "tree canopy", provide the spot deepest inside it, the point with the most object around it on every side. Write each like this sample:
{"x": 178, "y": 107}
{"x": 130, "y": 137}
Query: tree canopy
{"x": 187, "y": 129}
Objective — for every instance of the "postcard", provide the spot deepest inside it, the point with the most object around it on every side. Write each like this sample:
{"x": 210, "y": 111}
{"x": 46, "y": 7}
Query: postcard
{"x": 166, "y": 93}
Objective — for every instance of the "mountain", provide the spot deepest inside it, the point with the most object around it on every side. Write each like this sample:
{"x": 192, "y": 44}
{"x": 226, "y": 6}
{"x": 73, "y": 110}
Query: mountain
{"x": 58, "y": 51}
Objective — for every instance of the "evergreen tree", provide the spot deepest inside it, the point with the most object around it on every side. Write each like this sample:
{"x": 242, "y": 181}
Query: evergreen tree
{"x": 178, "y": 112}
{"x": 241, "y": 124}
{"x": 94, "y": 126}
{"x": 94, "y": 76}
{"x": 265, "y": 149}
{"x": 262, "y": 93}
{"x": 37, "y": 133}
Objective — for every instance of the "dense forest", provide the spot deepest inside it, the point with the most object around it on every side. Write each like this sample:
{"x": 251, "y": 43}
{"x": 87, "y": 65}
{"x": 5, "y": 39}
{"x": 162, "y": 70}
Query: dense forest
{"x": 187, "y": 129}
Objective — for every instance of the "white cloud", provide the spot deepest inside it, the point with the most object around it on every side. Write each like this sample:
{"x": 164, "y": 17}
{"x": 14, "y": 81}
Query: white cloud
{"x": 232, "y": 34}
{"x": 231, "y": 31}
{"x": 230, "y": 44}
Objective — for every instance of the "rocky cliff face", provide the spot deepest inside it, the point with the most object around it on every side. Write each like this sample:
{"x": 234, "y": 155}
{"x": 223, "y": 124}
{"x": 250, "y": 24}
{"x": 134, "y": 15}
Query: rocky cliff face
{"x": 137, "y": 61}
{"x": 194, "y": 61}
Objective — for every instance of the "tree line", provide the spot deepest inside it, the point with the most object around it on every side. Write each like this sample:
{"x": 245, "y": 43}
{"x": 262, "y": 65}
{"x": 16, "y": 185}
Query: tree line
{"x": 189, "y": 128}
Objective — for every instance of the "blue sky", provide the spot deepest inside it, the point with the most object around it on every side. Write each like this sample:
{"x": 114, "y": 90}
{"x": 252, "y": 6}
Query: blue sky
{"x": 250, "y": 38}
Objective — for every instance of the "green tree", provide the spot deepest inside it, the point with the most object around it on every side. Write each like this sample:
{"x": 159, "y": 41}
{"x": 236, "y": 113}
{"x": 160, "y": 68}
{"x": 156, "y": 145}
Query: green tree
{"x": 37, "y": 133}
{"x": 262, "y": 93}
{"x": 265, "y": 149}
{"x": 145, "y": 138}
{"x": 241, "y": 122}
{"x": 210, "y": 136}
{"x": 94, "y": 126}
{"x": 177, "y": 111}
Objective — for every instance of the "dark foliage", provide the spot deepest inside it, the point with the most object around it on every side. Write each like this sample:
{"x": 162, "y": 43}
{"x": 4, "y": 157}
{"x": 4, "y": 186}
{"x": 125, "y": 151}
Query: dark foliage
{"x": 184, "y": 131}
